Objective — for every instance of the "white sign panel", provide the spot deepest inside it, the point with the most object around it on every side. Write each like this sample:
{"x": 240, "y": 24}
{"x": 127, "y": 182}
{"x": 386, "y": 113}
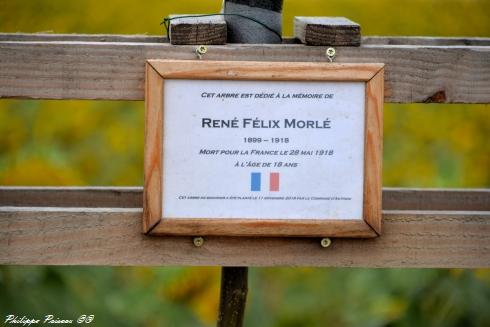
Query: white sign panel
{"x": 263, "y": 149}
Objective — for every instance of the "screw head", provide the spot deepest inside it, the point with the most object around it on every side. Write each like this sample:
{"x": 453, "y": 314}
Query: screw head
{"x": 202, "y": 49}
{"x": 325, "y": 242}
{"x": 198, "y": 241}
{"x": 330, "y": 52}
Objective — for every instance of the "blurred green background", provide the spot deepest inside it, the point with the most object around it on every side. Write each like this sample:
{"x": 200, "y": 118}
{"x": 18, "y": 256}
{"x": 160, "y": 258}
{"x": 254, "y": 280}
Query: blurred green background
{"x": 101, "y": 143}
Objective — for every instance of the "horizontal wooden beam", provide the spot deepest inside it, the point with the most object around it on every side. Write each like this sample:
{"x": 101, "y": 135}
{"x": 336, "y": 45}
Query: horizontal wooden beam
{"x": 132, "y": 197}
{"x": 49, "y": 37}
{"x": 425, "y": 40}
{"x": 436, "y": 199}
{"x": 98, "y": 236}
{"x": 91, "y": 197}
{"x": 365, "y": 40}
{"x": 115, "y": 70}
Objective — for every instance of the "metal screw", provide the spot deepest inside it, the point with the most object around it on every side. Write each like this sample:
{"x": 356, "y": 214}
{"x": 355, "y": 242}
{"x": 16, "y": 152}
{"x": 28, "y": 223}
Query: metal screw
{"x": 198, "y": 241}
{"x": 330, "y": 54}
{"x": 201, "y": 50}
{"x": 326, "y": 242}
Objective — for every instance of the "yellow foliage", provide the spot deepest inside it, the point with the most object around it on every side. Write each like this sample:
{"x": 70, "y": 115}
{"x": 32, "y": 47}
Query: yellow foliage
{"x": 390, "y": 308}
{"x": 483, "y": 275}
{"x": 101, "y": 143}
{"x": 379, "y": 17}
{"x": 39, "y": 172}
{"x": 197, "y": 288}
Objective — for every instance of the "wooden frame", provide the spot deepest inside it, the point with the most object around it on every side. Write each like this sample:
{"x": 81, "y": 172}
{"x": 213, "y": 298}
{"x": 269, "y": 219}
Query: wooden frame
{"x": 424, "y": 228}
{"x": 159, "y": 70}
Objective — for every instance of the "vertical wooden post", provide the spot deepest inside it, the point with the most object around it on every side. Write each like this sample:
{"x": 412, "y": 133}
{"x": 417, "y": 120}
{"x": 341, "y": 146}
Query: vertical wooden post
{"x": 233, "y": 296}
{"x": 234, "y": 280}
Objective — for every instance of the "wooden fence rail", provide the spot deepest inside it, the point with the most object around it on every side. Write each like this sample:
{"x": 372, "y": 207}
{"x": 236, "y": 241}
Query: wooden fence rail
{"x": 115, "y": 70}
{"x": 366, "y": 40}
{"x": 102, "y": 226}
{"x": 83, "y": 226}
{"x": 132, "y": 197}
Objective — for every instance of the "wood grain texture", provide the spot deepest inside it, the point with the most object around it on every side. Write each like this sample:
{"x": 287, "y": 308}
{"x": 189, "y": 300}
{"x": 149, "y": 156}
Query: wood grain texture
{"x": 52, "y": 37}
{"x": 152, "y": 195}
{"x": 132, "y": 197}
{"x": 274, "y": 71}
{"x": 425, "y": 41}
{"x": 263, "y": 228}
{"x": 436, "y": 199}
{"x": 113, "y": 237}
{"x": 331, "y": 31}
{"x": 98, "y": 70}
{"x": 94, "y": 197}
{"x": 366, "y": 40}
{"x": 197, "y": 30}
{"x": 256, "y": 70}
{"x": 373, "y": 149}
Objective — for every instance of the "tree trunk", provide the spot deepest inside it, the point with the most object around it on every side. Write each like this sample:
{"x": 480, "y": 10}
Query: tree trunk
{"x": 234, "y": 288}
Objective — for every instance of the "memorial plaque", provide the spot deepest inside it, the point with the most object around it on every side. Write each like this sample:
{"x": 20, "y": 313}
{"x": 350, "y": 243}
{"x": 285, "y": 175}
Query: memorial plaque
{"x": 263, "y": 149}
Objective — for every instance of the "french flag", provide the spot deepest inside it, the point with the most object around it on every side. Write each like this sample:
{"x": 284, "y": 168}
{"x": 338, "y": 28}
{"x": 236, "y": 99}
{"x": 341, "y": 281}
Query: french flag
{"x": 256, "y": 182}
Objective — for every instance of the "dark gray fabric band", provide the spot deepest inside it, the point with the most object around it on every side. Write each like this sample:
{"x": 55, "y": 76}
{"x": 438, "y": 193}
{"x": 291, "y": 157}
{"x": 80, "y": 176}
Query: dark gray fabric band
{"x": 241, "y": 30}
{"x": 274, "y": 5}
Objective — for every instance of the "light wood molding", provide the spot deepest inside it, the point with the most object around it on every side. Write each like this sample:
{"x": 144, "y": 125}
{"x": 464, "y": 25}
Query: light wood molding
{"x": 371, "y": 74}
{"x": 153, "y": 150}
